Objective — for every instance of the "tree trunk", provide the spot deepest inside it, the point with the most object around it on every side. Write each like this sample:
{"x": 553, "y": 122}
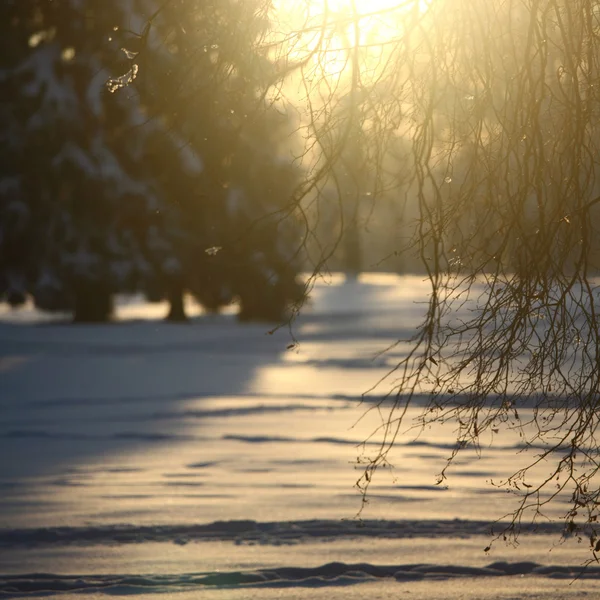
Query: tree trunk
{"x": 177, "y": 309}
{"x": 93, "y": 303}
{"x": 352, "y": 250}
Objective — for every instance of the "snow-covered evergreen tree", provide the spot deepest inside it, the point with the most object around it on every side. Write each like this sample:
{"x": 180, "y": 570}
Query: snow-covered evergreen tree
{"x": 82, "y": 214}
{"x": 114, "y": 184}
{"x": 202, "y": 61}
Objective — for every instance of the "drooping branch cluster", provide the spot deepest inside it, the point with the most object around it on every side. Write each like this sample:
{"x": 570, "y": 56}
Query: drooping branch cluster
{"x": 480, "y": 118}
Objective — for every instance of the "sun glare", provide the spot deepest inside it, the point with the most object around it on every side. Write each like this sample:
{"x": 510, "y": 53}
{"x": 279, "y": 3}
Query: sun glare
{"x": 334, "y": 36}
{"x": 371, "y": 6}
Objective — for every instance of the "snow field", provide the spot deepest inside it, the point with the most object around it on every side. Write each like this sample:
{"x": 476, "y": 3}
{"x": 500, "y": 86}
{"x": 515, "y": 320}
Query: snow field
{"x": 141, "y": 457}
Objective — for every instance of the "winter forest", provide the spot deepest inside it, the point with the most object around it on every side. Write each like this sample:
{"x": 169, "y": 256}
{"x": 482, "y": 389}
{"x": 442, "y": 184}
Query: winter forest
{"x": 121, "y": 177}
{"x": 299, "y": 298}
{"x": 221, "y": 149}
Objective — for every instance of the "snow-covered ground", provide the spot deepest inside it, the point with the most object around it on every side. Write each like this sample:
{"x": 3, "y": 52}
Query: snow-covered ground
{"x": 144, "y": 457}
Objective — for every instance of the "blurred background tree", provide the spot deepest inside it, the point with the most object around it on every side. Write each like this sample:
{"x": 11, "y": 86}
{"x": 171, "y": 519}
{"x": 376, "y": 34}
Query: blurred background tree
{"x": 106, "y": 192}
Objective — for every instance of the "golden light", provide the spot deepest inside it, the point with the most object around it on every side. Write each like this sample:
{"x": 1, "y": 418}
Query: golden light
{"x": 333, "y": 38}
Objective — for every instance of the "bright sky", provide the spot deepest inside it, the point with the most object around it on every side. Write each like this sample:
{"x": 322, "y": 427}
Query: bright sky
{"x": 380, "y": 22}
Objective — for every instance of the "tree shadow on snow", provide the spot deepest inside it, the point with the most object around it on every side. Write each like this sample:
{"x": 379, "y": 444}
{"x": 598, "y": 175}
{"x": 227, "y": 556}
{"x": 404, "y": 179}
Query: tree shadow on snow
{"x": 81, "y": 395}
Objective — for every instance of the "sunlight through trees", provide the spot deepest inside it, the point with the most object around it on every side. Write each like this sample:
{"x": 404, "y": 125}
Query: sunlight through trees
{"x": 463, "y": 133}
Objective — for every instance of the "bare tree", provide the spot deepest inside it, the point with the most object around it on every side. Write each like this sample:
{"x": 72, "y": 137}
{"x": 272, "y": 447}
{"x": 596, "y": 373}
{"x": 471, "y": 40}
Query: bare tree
{"x": 480, "y": 116}
{"x": 497, "y": 103}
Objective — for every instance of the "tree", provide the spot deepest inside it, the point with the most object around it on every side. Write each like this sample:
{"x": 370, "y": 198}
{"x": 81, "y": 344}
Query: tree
{"x": 112, "y": 192}
{"x": 498, "y": 104}
{"x": 86, "y": 208}
{"x": 204, "y": 74}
